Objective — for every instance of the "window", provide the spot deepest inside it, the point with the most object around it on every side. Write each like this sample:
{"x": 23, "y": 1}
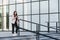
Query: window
{"x": 0, "y": 18}
{"x": 6, "y": 16}
{"x": 53, "y": 6}
{"x": 27, "y": 8}
{"x": 12, "y": 1}
{"x": 20, "y": 22}
{"x": 28, "y": 18}
{"x": 35, "y": 0}
{"x": 19, "y": 1}
{"x": 43, "y": 21}
{"x": 59, "y": 5}
{"x": 35, "y": 8}
{"x": 33, "y": 27}
{"x": 35, "y": 18}
{"x": 26, "y": 0}
{"x": 44, "y": 6}
{"x": 19, "y": 9}
{"x": 27, "y": 25}
{"x": 0, "y": 2}
{"x": 5, "y": 2}
{"x": 12, "y": 9}
{"x": 54, "y": 17}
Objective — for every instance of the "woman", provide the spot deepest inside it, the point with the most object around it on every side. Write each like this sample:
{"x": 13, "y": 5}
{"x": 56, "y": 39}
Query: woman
{"x": 14, "y": 22}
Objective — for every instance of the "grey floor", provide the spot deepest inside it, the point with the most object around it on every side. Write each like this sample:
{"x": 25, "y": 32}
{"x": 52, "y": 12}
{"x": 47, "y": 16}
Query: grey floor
{"x": 27, "y": 36}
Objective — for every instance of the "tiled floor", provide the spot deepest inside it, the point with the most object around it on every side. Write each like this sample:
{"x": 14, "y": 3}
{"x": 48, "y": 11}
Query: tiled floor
{"x": 26, "y": 36}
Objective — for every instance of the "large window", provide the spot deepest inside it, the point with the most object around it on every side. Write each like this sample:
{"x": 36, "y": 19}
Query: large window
{"x": 0, "y": 17}
{"x": 19, "y": 1}
{"x": 5, "y": 2}
{"x": 19, "y": 9}
{"x": 53, "y": 6}
{"x": 44, "y": 6}
{"x": 35, "y": 8}
{"x": 27, "y": 8}
{"x": 27, "y": 0}
{"x": 12, "y": 1}
{"x": 11, "y": 10}
{"x": 43, "y": 21}
{"x": 0, "y": 2}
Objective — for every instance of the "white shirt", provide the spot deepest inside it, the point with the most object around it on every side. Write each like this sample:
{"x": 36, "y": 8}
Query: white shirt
{"x": 13, "y": 19}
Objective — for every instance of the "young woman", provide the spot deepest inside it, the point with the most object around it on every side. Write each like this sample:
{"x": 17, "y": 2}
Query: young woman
{"x": 14, "y": 22}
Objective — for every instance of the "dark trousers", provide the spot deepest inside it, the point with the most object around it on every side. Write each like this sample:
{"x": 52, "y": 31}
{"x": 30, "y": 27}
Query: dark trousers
{"x": 14, "y": 26}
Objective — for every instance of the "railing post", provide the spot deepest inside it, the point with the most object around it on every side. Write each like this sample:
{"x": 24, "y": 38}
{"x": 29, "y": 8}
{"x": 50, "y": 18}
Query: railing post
{"x": 48, "y": 26}
{"x": 18, "y": 28}
{"x": 37, "y": 30}
{"x": 56, "y": 27}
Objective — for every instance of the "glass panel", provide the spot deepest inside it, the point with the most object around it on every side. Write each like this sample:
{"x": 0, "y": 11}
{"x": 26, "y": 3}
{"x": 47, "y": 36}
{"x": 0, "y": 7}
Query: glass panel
{"x": 12, "y": 9}
{"x": 12, "y": 1}
{"x": 44, "y": 6}
{"x": 26, "y": 0}
{"x": 20, "y": 22}
{"x": 0, "y": 2}
{"x": 6, "y": 15}
{"x": 27, "y": 25}
{"x": 5, "y": 2}
{"x": 59, "y": 5}
{"x": 20, "y": 9}
{"x": 27, "y": 8}
{"x": 35, "y": 0}
{"x": 43, "y": 21}
{"x": 0, "y": 18}
{"x": 19, "y": 1}
{"x": 35, "y": 18}
{"x": 35, "y": 8}
{"x": 33, "y": 27}
{"x": 27, "y": 18}
{"x": 53, "y": 5}
{"x": 54, "y": 17}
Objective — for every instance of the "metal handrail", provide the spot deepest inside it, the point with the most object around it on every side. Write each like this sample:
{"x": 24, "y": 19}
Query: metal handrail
{"x": 36, "y": 23}
{"x": 37, "y": 32}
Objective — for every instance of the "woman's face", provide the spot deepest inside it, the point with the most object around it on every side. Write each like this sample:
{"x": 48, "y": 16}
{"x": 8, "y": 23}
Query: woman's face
{"x": 15, "y": 12}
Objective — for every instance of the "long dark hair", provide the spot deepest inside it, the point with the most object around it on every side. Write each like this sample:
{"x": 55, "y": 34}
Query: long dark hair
{"x": 14, "y": 13}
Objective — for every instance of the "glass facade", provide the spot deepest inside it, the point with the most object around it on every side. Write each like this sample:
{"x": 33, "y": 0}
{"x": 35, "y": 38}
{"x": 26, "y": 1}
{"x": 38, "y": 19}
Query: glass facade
{"x": 38, "y": 11}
